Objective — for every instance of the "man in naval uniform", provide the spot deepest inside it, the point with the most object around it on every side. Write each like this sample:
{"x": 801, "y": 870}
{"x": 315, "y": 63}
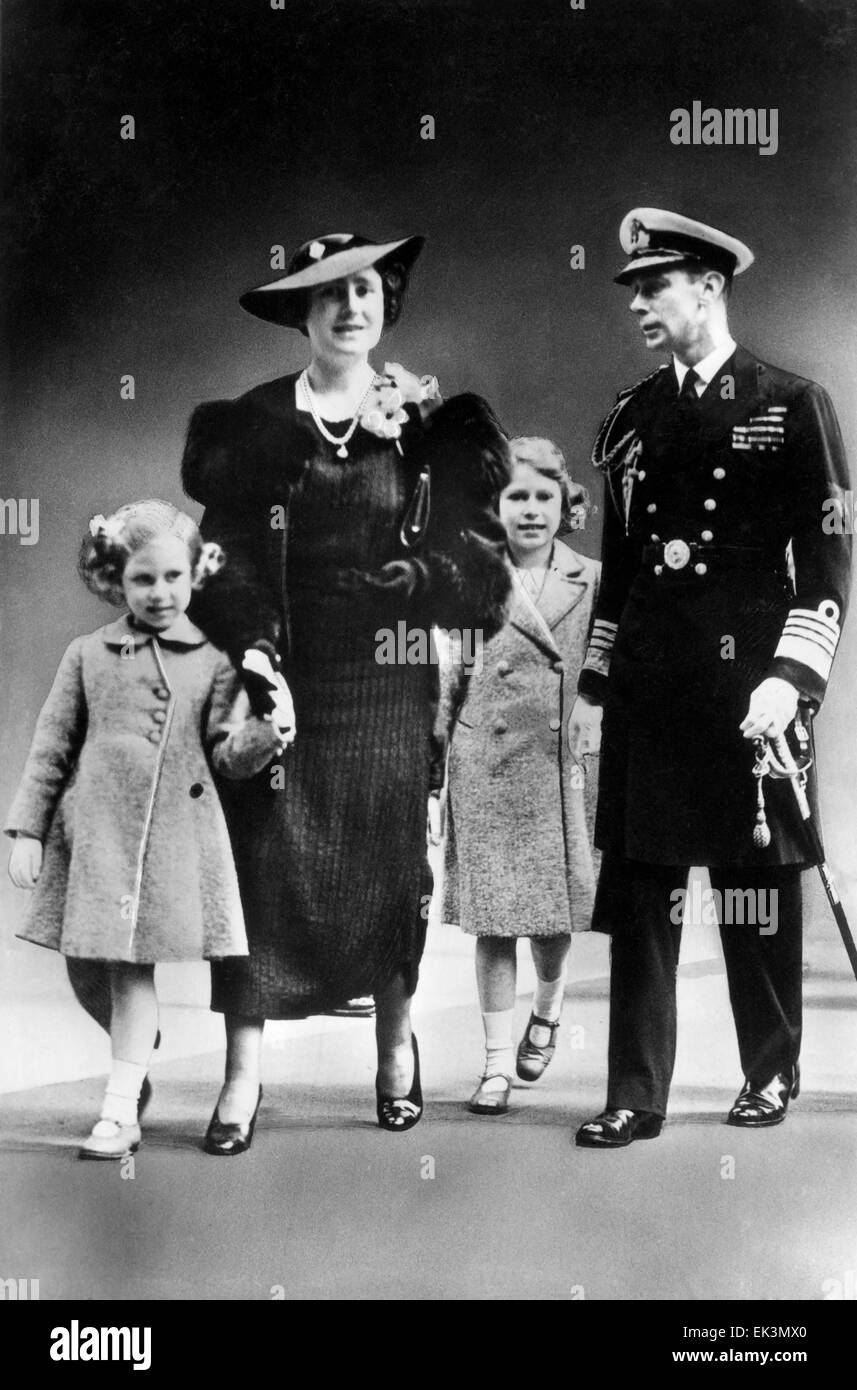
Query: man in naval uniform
{"x": 720, "y": 607}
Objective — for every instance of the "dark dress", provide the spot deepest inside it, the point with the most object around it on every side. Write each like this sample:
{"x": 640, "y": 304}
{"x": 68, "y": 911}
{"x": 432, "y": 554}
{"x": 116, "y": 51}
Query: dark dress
{"x": 330, "y": 842}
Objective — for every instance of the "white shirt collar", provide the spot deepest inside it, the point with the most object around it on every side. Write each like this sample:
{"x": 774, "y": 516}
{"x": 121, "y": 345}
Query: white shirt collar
{"x": 709, "y": 365}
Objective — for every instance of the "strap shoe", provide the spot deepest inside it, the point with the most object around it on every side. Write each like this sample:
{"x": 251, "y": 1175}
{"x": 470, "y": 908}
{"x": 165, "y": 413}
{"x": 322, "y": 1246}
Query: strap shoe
{"x": 493, "y": 1100}
{"x": 533, "y": 1059}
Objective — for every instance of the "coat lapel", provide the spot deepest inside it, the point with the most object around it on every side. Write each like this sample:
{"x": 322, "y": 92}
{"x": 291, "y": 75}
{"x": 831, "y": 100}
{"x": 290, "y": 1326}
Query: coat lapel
{"x": 564, "y": 588}
{"x": 741, "y": 379}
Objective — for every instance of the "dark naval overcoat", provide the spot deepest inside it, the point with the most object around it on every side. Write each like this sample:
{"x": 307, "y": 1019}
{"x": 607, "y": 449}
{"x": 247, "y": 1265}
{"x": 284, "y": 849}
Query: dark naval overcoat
{"x": 721, "y": 566}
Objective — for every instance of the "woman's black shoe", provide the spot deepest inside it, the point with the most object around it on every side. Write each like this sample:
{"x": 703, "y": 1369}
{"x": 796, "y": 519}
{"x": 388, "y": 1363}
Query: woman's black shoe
{"x": 402, "y": 1114}
{"x": 615, "y": 1129}
{"x": 229, "y": 1140}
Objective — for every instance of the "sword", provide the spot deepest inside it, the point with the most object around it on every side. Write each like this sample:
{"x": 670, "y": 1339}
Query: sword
{"x": 774, "y": 757}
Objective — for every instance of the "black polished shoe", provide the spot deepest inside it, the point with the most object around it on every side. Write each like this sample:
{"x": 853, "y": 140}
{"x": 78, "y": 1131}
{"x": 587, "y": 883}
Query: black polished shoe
{"x": 615, "y": 1129}
{"x": 759, "y": 1107}
{"x": 532, "y": 1060}
{"x": 402, "y": 1114}
{"x": 228, "y": 1140}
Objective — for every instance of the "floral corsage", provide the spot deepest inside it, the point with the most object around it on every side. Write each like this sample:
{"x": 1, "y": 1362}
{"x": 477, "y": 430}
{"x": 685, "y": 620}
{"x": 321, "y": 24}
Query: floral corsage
{"x": 383, "y": 413}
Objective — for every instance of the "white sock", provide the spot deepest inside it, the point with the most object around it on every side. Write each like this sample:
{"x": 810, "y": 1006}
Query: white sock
{"x": 123, "y": 1092}
{"x": 499, "y": 1049}
{"x": 547, "y": 999}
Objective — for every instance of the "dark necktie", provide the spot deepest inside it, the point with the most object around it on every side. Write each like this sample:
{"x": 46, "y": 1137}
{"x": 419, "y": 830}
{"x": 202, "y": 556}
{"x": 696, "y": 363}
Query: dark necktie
{"x": 687, "y": 395}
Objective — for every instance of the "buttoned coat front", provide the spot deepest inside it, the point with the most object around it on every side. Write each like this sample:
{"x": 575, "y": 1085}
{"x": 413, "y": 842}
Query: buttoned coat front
{"x": 697, "y": 606}
{"x": 519, "y": 858}
{"x": 118, "y": 787}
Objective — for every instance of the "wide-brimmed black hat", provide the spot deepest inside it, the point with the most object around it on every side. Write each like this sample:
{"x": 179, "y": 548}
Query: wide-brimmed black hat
{"x": 319, "y": 261}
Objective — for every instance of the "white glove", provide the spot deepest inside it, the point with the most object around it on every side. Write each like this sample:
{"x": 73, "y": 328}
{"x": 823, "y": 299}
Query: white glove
{"x": 773, "y": 706}
{"x": 435, "y": 820}
{"x": 282, "y": 714}
{"x": 584, "y": 728}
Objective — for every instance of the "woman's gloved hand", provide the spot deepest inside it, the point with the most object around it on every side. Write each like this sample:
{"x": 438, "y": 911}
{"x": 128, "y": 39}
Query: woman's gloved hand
{"x": 436, "y": 817}
{"x": 25, "y": 861}
{"x": 270, "y": 697}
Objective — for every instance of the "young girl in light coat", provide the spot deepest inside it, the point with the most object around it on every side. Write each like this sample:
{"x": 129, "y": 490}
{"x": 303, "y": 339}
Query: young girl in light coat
{"x": 519, "y": 859}
{"x": 116, "y": 821}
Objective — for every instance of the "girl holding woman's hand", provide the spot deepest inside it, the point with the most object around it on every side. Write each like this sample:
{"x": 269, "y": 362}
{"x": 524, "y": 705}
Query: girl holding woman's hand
{"x": 116, "y": 821}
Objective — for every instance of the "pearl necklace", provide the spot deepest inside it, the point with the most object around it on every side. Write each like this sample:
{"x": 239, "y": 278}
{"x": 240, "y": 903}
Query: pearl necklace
{"x": 341, "y": 439}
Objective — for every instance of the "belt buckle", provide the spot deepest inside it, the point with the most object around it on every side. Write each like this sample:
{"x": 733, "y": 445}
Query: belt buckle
{"x": 676, "y": 554}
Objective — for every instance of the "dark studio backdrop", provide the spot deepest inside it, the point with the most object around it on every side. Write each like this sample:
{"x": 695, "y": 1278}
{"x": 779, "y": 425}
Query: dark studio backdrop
{"x": 257, "y": 127}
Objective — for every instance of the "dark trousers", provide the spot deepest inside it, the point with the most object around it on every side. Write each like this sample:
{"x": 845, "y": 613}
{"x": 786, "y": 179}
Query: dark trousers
{"x": 764, "y": 972}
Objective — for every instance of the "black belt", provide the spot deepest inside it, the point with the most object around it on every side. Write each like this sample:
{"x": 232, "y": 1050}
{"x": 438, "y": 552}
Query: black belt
{"x": 679, "y": 554}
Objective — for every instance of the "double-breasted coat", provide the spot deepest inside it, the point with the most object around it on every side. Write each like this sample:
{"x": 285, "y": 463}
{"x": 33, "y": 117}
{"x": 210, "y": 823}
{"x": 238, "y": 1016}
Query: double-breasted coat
{"x": 118, "y": 786}
{"x": 519, "y": 859}
{"x": 720, "y": 568}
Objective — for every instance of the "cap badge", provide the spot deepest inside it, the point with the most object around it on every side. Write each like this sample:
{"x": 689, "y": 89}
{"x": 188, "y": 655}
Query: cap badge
{"x": 639, "y": 236}
{"x": 316, "y": 249}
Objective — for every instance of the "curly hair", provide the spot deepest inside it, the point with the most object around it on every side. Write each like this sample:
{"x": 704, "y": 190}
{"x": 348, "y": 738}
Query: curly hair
{"x": 111, "y": 541}
{"x": 394, "y": 283}
{"x": 544, "y": 456}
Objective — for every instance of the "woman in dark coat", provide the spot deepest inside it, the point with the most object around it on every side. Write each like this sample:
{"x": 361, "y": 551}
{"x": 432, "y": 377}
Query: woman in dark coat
{"x": 352, "y": 508}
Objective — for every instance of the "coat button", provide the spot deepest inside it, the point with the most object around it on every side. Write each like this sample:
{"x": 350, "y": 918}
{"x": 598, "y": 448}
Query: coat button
{"x": 554, "y": 725}
{"x": 655, "y": 538}
{"x": 154, "y": 735}
{"x": 708, "y": 535}
{"x": 641, "y": 473}
{"x": 503, "y": 668}
{"x": 652, "y": 507}
{"x": 558, "y": 666}
{"x": 161, "y": 693}
{"x": 500, "y": 727}
{"x": 709, "y": 504}
{"x": 701, "y": 569}
{"x": 719, "y": 473}
{"x": 159, "y": 716}
{"x": 659, "y": 569}
{"x": 197, "y": 789}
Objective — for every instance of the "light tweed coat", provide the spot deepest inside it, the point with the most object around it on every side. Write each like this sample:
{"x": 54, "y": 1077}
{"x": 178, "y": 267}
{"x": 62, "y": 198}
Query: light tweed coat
{"x": 519, "y": 859}
{"x": 118, "y": 787}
